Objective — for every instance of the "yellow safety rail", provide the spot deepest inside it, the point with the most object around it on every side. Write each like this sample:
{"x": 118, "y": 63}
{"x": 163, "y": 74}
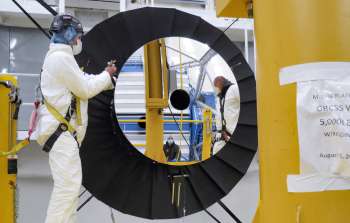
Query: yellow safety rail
{"x": 207, "y": 134}
{"x": 164, "y": 120}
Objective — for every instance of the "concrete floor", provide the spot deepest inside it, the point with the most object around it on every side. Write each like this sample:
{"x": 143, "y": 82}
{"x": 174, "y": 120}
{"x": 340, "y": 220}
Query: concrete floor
{"x": 35, "y": 185}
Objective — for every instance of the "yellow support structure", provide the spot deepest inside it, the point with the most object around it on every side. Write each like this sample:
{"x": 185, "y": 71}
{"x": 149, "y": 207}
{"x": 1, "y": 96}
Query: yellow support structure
{"x": 207, "y": 133}
{"x": 7, "y": 140}
{"x": 292, "y": 32}
{"x": 156, "y": 100}
{"x": 233, "y": 8}
{"x": 164, "y": 121}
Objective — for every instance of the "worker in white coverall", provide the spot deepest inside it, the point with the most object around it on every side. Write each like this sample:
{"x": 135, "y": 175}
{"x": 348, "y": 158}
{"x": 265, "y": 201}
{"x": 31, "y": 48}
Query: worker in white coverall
{"x": 61, "y": 80}
{"x": 228, "y": 106}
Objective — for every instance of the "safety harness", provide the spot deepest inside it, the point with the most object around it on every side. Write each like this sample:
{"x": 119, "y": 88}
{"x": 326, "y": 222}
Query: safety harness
{"x": 222, "y": 98}
{"x": 64, "y": 121}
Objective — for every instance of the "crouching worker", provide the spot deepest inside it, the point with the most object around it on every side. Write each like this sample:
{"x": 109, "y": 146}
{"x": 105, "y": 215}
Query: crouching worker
{"x": 228, "y": 105}
{"x": 171, "y": 150}
{"x": 62, "y": 122}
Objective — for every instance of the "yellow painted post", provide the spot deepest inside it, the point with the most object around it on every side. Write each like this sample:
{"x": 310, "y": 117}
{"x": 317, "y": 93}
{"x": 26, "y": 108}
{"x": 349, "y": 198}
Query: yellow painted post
{"x": 207, "y": 131}
{"x": 233, "y": 8}
{"x": 154, "y": 102}
{"x": 292, "y": 32}
{"x": 7, "y": 140}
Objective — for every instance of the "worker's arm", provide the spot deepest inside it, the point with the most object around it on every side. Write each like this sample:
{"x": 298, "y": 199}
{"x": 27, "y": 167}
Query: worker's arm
{"x": 81, "y": 85}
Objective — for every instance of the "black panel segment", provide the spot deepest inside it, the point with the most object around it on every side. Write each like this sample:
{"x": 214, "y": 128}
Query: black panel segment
{"x": 244, "y": 137}
{"x": 236, "y": 156}
{"x": 212, "y": 166}
{"x": 247, "y": 114}
{"x": 202, "y": 33}
{"x": 225, "y": 48}
{"x": 205, "y": 187}
{"x": 247, "y": 90}
{"x": 240, "y": 67}
{"x": 185, "y": 24}
{"x": 162, "y": 22}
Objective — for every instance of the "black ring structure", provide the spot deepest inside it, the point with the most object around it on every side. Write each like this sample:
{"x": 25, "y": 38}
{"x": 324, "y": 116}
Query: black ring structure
{"x": 113, "y": 170}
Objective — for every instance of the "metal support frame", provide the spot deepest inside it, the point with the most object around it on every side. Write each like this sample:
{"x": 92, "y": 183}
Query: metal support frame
{"x": 156, "y": 87}
{"x": 7, "y": 139}
{"x": 122, "y": 5}
{"x": 246, "y": 45}
{"x": 185, "y": 54}
{"x": 61, "y": 6}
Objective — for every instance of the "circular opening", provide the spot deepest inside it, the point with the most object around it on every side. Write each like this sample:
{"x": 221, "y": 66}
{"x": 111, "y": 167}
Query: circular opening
{"x": 180, "y": 113}
{"x": 180, "y": 99}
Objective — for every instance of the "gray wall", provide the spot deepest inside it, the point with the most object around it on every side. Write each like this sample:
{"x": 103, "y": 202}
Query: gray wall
{"x": 22, "y": 49}
{"x": 22, "y": 52}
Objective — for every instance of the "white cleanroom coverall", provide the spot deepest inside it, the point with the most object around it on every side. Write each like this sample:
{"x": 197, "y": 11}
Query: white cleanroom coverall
{"x": 61, "y": 77}
{"x": 231, "y": 113}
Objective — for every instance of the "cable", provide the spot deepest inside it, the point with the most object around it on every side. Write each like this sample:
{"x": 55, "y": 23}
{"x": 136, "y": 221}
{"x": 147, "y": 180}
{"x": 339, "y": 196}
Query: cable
{"x": 47, "y": 7}
{"x": 85, "y": 202}
{"x": 228, "y": 211}
{"x": 82, "y": 193}
{"x": 172, "y": 114}
{"x": 32, "y": 19}
{"x": 234, "y": 21}
{"x": 212, "y": 216}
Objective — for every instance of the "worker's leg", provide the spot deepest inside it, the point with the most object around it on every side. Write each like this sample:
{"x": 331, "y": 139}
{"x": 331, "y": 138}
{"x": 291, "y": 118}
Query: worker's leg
{"x": 66, "y": 171}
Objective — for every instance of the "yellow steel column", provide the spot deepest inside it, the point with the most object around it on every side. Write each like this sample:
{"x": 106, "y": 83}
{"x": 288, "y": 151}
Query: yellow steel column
{"x": 154, "y": 101}
{"x": 291, "y": 32}
{"x": 7, "y": 140}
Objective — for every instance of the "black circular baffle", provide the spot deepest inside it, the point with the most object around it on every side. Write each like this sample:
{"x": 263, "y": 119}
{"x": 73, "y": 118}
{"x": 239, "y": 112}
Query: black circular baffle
{"x": 180, "y": 99}
{"x": 113, "y": 170}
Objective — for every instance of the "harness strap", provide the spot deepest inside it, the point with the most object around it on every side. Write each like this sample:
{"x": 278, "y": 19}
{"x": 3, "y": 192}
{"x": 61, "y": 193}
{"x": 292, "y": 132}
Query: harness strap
{"x": 22, "y": 144}
{"x": 77, "y": 111}
{"x": 19, "y": 146}
{"x": 223, "y": 121}
{"x": 59, "y": 117}
{"x": 63, "y": 126}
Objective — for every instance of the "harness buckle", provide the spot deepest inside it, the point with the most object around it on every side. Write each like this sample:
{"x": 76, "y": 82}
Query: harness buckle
{"x": 63, "y": 127}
